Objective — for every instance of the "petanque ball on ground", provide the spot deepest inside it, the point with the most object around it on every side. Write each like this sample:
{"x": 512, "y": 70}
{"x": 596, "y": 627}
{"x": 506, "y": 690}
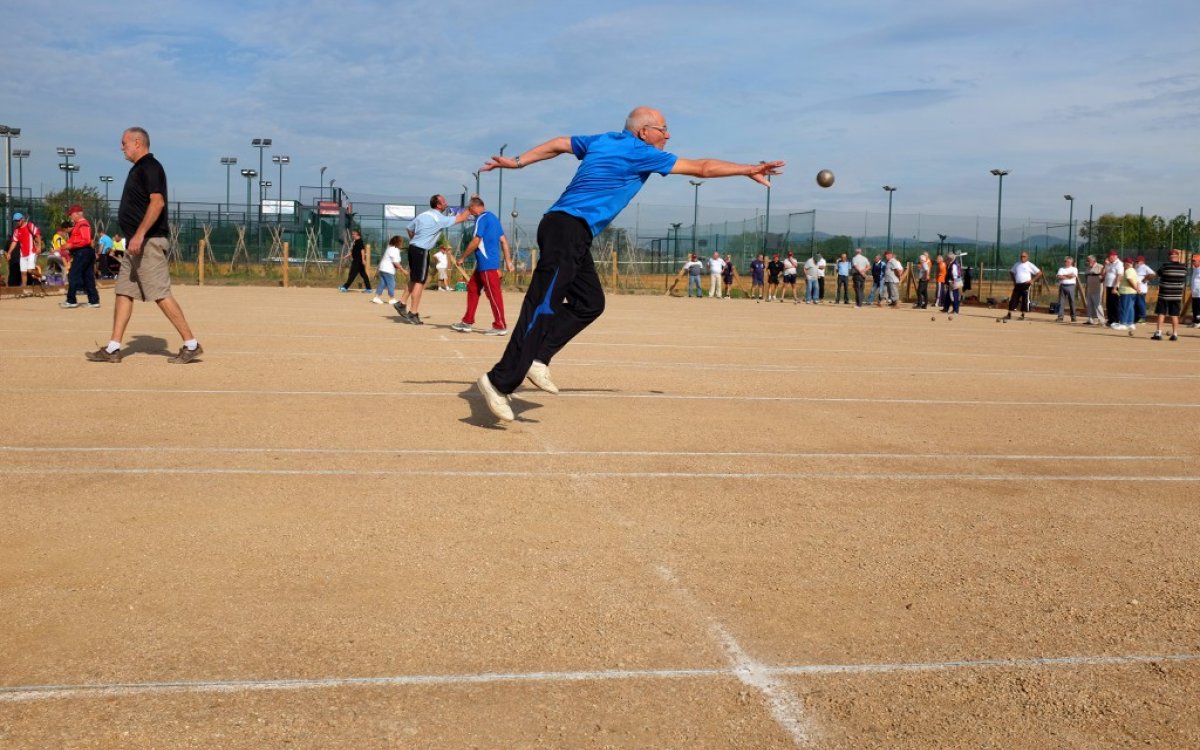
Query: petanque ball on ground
{"x": 825, "y": 178}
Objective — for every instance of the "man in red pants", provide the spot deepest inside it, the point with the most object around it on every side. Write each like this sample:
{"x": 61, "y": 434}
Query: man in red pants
{"x": 489, "y": 246}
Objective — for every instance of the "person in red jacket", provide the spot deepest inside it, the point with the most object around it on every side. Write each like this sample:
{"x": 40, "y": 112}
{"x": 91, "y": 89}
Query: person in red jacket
{"x": 83, "y": 260}
{"x": 26, "y": 239}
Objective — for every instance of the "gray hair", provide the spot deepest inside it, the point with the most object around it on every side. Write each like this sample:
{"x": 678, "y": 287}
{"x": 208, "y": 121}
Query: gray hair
{"x": 141, "y": 133}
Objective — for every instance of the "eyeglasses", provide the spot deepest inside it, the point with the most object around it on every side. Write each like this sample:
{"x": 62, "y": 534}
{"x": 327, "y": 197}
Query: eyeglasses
{"x": 659, "y": 128}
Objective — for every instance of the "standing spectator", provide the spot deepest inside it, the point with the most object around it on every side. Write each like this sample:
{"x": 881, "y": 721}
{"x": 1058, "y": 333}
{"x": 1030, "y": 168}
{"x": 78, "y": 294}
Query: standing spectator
{"x": 877, "y": 269}
{"x": 1195, "y": 286}
{"x": 118, "y": 245}
{"x": 940, "y": 279}
{"x": 812, "y": 273}
{"x": 385, "y": 277}
{"x": 716, "y": 264}
{"x": 83, "y": 261}
{"x": 1172, "y": 277}
{"x": 1093, "y": 296}
{"x": 757, "y": 266}
{"x": 1068, "y": 278}
{"x": 490, "y": 247}
{"x": 1127, "y": 291}
{"x": 1023, "y": 274}
{"x": 565, "y": 294}
{"x": 358, "y": 266}
{"x": 1114, "y": 269}
{"x": 923, "y": 270}
{"x": 145, "y": 273}
{"x": 104, "y": 258}
{"x": 27, "y": 244}
{"x": 893, "y": 271}
{"x": 1144, "y": 275}
{"x": 790, "y": 269}
{"x": 842, "y": 293}
{"x": 774, "y": 270}
{"x": 954, "y": 283}
{"x": 694, "y": 268}
{"x": 727, "y": 276}
{"x": 821, "y": 266}
{"x": 441, "y": 264}
{"x": 860, "y": 267}
{"x": 423, "y": 232}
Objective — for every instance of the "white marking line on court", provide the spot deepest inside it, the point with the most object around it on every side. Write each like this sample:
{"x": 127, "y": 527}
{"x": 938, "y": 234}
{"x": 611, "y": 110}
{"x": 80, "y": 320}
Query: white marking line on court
{"x": 112, "y": 449}
{"x": 22, "y": 693}
{"x": 483, "y": 473}
{"x": 639, "y": 396}
{"x": 786, "y": 708}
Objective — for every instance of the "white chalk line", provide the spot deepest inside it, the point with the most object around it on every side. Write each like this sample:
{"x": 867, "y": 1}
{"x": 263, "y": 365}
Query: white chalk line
{"x": 569, "y": 474}
{"x": 786, "y": 707}
{"x": 637, "y": 396}
{"x": 21, "y": 693}
{"x": 523, "y": 453}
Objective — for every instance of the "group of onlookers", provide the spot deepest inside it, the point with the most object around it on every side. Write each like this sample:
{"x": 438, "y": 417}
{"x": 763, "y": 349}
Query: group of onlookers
{"x": 75, "y": 257}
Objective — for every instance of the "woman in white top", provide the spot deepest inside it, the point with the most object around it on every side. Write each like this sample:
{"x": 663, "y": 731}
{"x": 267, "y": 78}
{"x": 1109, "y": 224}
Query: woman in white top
{"x": 388, "y": 263}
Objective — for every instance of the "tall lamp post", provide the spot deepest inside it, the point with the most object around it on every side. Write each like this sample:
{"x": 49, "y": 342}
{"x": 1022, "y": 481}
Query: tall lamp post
{"x": 261, "y": 144}
{"x": 1071, "y": 228}
{"x": 695, "y": 209}
{"x": 889, "y": 190}
{"x": 280, "y": 160}
{"x": 321, "y": 184}
{"x": 999, "y": 204}
{"x": 20, "y": 155}
{"x": 9, "y": 133}
{"x": 249, "y": 174}
{"x": 107, "y": 180}
{"x": 66, "y": 153}
{"x": 475, "y": 174}
{"x": 67, "y": 181}
{"x": 675, "y": 253}
{"x": 228, "y": 161}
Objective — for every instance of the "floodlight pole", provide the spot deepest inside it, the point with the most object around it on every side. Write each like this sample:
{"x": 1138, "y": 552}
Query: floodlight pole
{"x": 999, "y": 205}
{"x": 889, "y": 190}
{"x": 9, "y": 133}
{"x": 249, "y": 174}
{"x": 695, "y": 209}
{"x": 767, "y": 221}
{"x": 228, "y": 161}
{"x": 280, "y": 160}
{"x": 500, "y": 198}
{"x": 261, "y": 144}
{"x": 1071, "y": 229}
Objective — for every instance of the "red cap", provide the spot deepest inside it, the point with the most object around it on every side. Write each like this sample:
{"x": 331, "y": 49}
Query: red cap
{"x": 75, "y": 209}
{"x": 1141, "y": 259}
{"x": 1112, "y": 253}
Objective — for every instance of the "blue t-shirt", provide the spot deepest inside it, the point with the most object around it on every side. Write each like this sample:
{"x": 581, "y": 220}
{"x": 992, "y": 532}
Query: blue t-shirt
{"x": 756, "y": 270}
{"x": 843, "y": 268}
{"x": 105, "y": 243}
{"x": 489, "y": 230}
{"x": 614, "y": 167}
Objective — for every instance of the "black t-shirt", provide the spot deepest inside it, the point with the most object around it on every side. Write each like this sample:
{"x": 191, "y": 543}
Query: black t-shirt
{"x": 356, "y": 250}
{"x": 775, "y": 268}
{"x": 145, "y": 177}
{"x": 1172, "y": 277}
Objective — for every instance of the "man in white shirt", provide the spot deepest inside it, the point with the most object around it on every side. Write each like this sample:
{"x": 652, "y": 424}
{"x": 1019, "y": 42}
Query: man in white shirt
{"x": 716, "y": 264}
{"x": 1023, "y": 274}
{"x": 1145, "y": 273}
{"x": 812, "y": 286}
{"x": 1113, "y": 270}
{"x": 790, "y": 267}
{"x": 821, "y": 265}
{"x": 859, "y": 268}
{"x": 892, "y": 271}
{"x": 1068, "y": 279}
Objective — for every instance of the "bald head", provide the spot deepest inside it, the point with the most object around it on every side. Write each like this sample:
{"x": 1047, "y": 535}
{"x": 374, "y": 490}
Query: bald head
{"x": 642, "y": 117}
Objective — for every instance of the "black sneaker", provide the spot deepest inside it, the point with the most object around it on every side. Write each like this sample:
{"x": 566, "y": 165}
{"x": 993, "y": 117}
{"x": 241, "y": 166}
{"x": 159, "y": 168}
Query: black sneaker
{"x": 1156, "y": 336}
{"x": 1174, "y": 337}
{"x": 415, "y": 319}
{"x": 186, "y": 355}
{"x": 103, "y": 355}
{"x": 400, "y": 308}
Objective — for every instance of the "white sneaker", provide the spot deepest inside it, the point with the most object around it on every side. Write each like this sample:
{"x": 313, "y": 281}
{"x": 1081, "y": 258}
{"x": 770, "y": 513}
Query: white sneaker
{"x": 496, "y": 402}
{"x": 461, "y": 327}
{"x": 539, "y": 375}
{"x": 392, "y": 302}
{"x": 496, "y": 332}
{"x": 377, "y": 301}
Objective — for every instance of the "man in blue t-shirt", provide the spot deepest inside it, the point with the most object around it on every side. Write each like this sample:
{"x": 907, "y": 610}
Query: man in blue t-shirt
{"x": 565, "y": 295}
{"x": 489, "y": 246}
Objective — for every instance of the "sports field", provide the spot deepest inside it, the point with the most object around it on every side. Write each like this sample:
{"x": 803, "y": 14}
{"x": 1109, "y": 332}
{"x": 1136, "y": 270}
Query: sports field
{"x": 740, "y": 525}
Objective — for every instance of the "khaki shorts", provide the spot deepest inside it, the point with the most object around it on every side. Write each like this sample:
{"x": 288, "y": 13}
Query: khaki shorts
{"x": 146, "y": 276}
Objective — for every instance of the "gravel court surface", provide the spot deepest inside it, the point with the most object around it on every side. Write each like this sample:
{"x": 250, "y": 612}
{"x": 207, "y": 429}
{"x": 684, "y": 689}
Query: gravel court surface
{"x": 755, "y": 488}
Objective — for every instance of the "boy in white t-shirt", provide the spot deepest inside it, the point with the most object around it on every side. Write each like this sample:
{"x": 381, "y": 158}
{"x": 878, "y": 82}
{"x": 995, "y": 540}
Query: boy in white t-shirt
{"x": 441, "y": 260}
{"x": 389, "y": 261}
{"x": 1068, "y": 278}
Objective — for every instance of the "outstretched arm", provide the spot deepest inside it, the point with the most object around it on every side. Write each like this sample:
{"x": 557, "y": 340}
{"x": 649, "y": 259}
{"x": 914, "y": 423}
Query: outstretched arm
{"x": 716, "y": 168}
{"x": 548, "y": 150}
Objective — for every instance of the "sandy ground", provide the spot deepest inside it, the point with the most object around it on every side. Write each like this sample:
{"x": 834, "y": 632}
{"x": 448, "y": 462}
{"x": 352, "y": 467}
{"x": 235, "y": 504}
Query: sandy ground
{"x": 740, "y": 525}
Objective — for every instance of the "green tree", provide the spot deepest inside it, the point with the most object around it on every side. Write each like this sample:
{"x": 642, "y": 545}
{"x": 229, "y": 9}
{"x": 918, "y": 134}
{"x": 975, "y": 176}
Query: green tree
{"x": 88, "y": 197}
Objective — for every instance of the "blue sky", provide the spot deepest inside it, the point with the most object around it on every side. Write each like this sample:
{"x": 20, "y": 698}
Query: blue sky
{"x": 1100, "y": 101}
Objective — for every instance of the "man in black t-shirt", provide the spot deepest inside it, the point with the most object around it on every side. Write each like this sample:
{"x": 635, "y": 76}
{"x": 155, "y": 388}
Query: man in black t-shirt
{"x": 357, "y": 265}
{"x": 145, "y": 272}
{"x": 1172, "y": 277}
